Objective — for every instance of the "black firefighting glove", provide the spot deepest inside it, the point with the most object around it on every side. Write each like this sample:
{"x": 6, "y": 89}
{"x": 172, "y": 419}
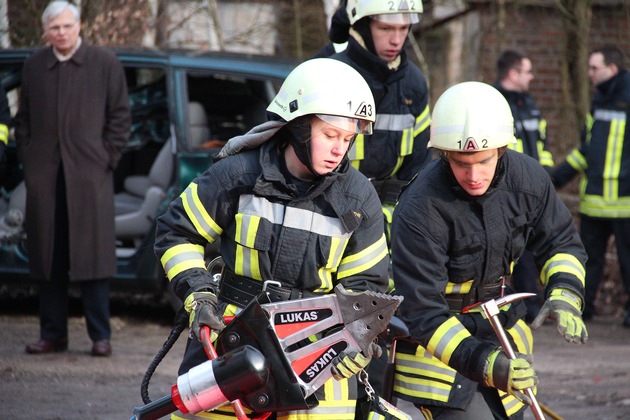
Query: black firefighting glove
{"x": 512, "y": 376}
{"x": 203, "y": 309}
{"x": 564, "y": 306}
{"x": 346, "y": 365}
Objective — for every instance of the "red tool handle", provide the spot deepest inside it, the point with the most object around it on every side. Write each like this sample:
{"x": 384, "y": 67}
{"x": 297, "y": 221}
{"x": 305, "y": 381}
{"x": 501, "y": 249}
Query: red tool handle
{"x": 206, "y": 341}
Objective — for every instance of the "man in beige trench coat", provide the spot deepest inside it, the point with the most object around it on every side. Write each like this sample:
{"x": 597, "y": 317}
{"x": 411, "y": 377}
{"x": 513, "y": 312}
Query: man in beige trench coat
{"x": 72, "y": 124}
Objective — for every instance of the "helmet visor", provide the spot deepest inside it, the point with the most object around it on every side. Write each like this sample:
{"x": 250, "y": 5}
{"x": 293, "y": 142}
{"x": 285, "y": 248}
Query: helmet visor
{"x": 356, "y": 125}
{"x": 397, "y": 18}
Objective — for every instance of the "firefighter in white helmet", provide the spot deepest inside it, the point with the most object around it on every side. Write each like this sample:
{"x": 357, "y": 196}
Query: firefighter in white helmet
{"x": 376, "y": 32}
{"x": 458, "y": 229}
{"x": 287, "y": 207}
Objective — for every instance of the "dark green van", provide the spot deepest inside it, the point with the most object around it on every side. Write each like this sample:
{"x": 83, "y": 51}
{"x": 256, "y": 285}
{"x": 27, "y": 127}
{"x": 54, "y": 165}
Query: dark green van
{"x": 184, "y": 105}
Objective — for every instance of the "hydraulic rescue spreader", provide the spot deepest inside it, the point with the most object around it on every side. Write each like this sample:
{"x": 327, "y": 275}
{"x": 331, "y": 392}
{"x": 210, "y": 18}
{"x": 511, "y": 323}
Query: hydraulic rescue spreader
{"x": 274, "y": 356}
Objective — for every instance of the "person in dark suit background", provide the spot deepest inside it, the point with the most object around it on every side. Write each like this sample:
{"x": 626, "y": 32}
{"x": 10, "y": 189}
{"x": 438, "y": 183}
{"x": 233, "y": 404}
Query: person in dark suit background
{"x": 72, "y": 124}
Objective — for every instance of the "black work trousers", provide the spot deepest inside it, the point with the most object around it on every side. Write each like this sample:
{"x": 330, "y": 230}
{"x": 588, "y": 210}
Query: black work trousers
{"x": 53, "y": 294}
{"x": 595, "y": 233}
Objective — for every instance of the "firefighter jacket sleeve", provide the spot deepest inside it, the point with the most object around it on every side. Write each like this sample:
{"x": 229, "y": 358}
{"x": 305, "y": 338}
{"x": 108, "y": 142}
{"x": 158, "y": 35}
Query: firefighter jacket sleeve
{"x": 443, "y": 240}
{"x": 575, "y": 162}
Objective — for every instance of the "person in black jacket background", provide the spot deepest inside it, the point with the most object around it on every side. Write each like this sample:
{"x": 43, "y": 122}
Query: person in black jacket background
{"x": 514, "y": 74}
{"x": 603, "y": 159}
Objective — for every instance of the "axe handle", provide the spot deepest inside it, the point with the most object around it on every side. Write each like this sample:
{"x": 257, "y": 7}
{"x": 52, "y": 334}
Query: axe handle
{"x": 507, "y": 348}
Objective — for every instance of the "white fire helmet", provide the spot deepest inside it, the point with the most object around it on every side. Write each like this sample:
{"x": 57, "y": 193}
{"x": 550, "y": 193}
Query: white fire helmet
{"x": 471, "y": 117}
{"x": 402, "y": 12}
{"x": 330, "y": 89}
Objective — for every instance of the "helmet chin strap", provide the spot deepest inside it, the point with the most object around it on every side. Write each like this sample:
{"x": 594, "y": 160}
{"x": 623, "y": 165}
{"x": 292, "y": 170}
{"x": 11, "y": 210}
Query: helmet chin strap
{"x": 298, "y": 133}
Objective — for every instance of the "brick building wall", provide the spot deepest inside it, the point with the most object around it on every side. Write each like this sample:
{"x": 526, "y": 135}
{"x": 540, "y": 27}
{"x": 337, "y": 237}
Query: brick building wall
{"x": 539, "y": 31}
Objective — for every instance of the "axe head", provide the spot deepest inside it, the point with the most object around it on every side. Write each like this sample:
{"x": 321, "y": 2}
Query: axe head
{"x": 491, "y": 307}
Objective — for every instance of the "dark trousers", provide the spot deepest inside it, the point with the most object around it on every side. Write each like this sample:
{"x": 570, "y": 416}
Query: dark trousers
{"x": 53, "y": 294}
{"x": 526, "y": 279}
{"x": 53, "y": 308}
{"x": 595, "y": 233}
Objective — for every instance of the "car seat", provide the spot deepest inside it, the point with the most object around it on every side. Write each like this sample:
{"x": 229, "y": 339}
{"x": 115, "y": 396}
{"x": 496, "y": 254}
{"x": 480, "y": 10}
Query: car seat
{"x": 137, "y": 206}
{"x": 198, "y": 123}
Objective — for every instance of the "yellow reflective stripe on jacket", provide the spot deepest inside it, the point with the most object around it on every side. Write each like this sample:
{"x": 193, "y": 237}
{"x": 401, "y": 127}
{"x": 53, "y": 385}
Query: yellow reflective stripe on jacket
{"x": 365, "y": 259}
{"x": 252, "y": 209}
{"x": 388, "y": 212}
{"x": 4, "y": 133}
{"x": 246, "y": 258}
{"x": 337, "y": 403}
{"x": 182, "y": 257}
{"x": 518, "y": 146}
{"x": 198, "y": 215}
{"x": 422, "y": 122}
{"x": 614, "y": 150}
{"x": 447, "y": 338}
{"x": 577, "y": 160}
{"x": 337, "y": 248}
{"x": 597, "y": 206}
{"x": 608, "y": 204}
{"x": 562, "y": 263}
{"x": 357, "y": 152}
{"x": 458, "y": 288}
{"x": 409, "y": 127}
{"x": 437, "y": 378}
{"x": 423, "y": 376}
{"x": 544, "y": 156}
{"x": 521, "y": 333}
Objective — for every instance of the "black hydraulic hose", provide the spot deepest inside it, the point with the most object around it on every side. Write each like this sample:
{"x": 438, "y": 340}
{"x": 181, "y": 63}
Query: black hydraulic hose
{"x": 155, "y": 410}
{"x": 181, "y": 323}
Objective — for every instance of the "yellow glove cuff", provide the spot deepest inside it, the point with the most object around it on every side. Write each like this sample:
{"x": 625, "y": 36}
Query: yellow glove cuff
{"x": 568, "y": 296}
{"x": 490, "y": 363}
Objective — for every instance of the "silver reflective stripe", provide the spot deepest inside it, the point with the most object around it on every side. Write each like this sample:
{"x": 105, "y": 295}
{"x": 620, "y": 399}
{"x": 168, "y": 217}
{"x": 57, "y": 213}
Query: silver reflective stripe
{"x": 531, "y": 124}
{"x": 432, "y": 366}
{"x": 609, "y": 115}
{"x": 519, "y": 334}
{"x": 291, "y": 217}
{"x": 337, "y": 250}
{"x": 376, "y": 254}
{"x": 445, "y": 340}
{"x": 557, "y": 264}
{"x": 181, "y": 257}
{"x": 423, "y": 120}
{"x": 510, "y": 404}
{"x": 258, "y": 206}
{"x": 394, "y": 122}
{"x": 198, "y": 216}
{"x": 400, "y": 382}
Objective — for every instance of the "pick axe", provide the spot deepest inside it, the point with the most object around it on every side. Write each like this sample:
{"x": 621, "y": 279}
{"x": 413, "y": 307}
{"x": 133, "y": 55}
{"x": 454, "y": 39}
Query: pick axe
{"x": 491, "y": 310}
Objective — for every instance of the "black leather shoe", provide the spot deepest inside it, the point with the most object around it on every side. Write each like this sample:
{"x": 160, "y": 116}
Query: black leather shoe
{"x": 101, "y": 348}
{"x": 47, "y": 346}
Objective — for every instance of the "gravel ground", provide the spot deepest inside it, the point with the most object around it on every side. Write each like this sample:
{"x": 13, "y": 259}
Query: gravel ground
{"x": 576, "y": 382}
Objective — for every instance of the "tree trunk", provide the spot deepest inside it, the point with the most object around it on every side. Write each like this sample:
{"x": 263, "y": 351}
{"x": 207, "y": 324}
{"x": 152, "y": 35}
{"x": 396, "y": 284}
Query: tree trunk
{"x": 575, "y": 83}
